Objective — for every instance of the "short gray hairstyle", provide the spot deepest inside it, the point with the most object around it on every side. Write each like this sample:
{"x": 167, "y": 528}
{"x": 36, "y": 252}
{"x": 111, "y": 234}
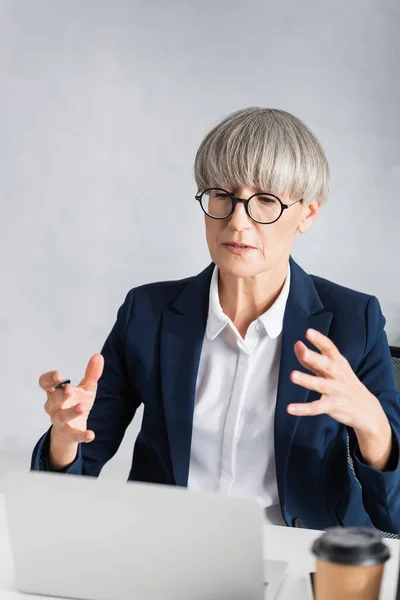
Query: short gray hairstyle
{"x": 266, "y": 149}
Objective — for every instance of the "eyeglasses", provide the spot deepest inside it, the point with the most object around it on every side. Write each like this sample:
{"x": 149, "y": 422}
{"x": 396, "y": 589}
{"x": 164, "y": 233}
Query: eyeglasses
{"x": 261, "y": 208}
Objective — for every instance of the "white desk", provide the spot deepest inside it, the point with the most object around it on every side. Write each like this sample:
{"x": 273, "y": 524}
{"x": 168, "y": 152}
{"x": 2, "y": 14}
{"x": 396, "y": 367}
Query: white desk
{"x": 293, "y": 546}
{"x": 280, "y": 543}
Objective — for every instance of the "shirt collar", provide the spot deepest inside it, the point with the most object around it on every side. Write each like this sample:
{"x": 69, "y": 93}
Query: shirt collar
{"x": 272, "y": 319}
{"x": 217, "y": 319}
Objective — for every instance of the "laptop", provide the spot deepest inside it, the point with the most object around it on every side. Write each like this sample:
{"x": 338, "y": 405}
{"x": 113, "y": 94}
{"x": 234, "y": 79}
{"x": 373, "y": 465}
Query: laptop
{"x": 91, "y": 539}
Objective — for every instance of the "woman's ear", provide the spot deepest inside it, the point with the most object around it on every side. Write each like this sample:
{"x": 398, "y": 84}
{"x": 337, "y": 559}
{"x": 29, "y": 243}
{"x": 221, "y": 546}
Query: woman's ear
{"x": 309, "y": 215}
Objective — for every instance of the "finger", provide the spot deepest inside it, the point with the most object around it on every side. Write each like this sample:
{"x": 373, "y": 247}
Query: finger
{"x": 314, "y": 361}
{"x": 65, "y": 415}
{"x": 77, "y": 435}
{"x": 58, "y": 399}
{"x": 316, "y": 384}
{"x": 310, "y": 409}
{"x": 93, "y": 372}
{"x": 48, "y": 380}
{"x": 323, "y": 343}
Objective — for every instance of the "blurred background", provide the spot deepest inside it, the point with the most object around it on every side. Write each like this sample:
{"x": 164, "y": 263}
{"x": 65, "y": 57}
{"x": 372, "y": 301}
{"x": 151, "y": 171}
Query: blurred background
{"x": 102, "y": 107}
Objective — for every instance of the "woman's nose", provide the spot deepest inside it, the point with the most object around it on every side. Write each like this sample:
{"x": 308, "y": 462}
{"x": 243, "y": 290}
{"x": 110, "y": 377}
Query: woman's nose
{"x": 239, "y": 219}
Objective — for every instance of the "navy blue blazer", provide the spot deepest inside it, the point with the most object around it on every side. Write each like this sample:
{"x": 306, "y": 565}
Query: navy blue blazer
{"x": 152, "y": 356}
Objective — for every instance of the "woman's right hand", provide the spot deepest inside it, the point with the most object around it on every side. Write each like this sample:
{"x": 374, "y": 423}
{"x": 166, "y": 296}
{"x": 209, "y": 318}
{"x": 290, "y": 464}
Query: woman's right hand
{"x": 68, "y": 408}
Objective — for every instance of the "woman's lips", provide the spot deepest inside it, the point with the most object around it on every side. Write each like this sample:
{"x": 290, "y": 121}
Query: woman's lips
{"x": 238, "y": 249}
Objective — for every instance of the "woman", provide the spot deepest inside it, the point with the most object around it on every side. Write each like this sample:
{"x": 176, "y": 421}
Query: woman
{"x": 256, "y": 378}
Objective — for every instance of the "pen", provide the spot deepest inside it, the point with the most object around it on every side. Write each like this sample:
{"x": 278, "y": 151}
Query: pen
{"x": 61, "y": 383}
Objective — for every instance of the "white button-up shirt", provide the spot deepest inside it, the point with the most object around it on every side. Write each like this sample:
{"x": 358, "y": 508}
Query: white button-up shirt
{"x": 232, "y": 448}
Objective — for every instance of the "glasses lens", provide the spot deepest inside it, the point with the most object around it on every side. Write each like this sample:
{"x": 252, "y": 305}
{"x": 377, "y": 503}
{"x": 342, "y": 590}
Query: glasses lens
{"x": 265, "y": 208}
{"x": 217, "y": 203}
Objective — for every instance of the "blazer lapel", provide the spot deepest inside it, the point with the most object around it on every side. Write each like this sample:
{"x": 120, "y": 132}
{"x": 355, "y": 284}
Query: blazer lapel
{"x": 304, "y": 310}
{"x": 182, "y": 333}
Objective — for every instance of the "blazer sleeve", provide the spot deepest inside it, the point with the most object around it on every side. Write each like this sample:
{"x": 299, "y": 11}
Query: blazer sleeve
{"x": 113, "y": 410}
{"x": 380, "y": 489}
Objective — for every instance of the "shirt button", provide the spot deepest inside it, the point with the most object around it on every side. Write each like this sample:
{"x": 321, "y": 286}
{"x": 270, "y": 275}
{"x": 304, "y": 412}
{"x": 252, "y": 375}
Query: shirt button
{"x": 258, "y": 327}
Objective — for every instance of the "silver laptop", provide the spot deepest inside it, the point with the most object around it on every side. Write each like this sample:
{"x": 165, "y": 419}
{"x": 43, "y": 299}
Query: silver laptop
{"x": 79, "y": 537}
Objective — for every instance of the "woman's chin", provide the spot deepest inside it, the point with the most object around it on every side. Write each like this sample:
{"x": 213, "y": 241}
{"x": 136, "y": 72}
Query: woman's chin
{"x": 238, "y": 268}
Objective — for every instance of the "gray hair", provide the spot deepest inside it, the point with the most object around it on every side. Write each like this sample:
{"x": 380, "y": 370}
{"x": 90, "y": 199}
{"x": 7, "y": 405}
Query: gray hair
{"x": 266, "y": 149}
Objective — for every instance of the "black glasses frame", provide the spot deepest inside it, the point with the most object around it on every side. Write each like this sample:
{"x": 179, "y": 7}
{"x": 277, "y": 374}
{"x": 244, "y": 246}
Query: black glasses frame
{"x": 245, "y": 202}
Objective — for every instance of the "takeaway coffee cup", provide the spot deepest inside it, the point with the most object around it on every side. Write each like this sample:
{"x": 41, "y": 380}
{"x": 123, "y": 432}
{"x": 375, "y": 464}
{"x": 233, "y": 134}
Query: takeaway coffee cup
{"x": 350, "y": 564}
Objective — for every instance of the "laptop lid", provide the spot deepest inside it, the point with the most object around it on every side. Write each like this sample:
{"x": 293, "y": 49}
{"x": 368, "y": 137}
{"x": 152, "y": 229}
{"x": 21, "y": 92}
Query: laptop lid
{"x": 86, "y": 538}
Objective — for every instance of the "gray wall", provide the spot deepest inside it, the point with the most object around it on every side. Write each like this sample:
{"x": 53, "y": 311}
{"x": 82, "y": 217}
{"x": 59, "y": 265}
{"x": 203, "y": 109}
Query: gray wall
{"x": 103, "y": 105}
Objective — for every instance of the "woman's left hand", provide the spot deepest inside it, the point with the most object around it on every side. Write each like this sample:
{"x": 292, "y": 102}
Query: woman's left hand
{"x": 343, "y": 396}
